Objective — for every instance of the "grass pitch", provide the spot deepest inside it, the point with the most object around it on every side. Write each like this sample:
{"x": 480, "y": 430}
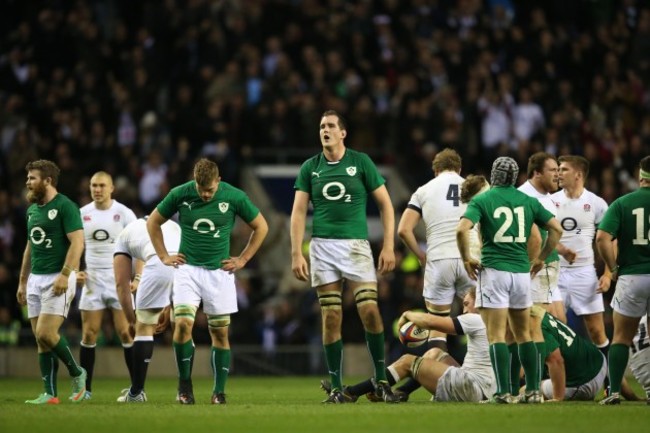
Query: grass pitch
{"x": 293, "y": 405}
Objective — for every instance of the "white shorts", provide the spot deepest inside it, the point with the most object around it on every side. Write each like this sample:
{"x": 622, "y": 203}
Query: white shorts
{"x": 584, "y": 392}
{"x": 457, "y": 384}
{"x": 632, "y": 296}
{"x": 155, "y": 288}
{"x": 640, "y": 367}
{"x": 216, "y": 288}
{"x": 501, "y": 289}
{"x": 335, "y": 259}
{"x": 41, "y": 298}
{"x": 578, "y": 287}
{"x": 99, "y": 292}
{"x": 444, "y": 279}
{"x": 541, "y": 287}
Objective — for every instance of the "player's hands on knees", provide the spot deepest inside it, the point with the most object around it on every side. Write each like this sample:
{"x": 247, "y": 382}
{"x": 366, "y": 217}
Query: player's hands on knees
{"x": 174, "y": 260}
{"x": 60, "y": 285}
{"x": 386, "y": 261}
{"x": 472, "y": 267}
{"x": 21, "y": 294}
{"x": 81, "y": 278}
{"x": 300, "y": 268}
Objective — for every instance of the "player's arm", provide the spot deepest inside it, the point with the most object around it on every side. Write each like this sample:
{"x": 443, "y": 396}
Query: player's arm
{"x": 429, "y": 321}
{"x": 462, "y": 239}
{"x": 566, "y": 252}
{"x": 605, "y": 280}
{"x": 71, "y": 263}
{"x": 607, "y": 250}
{"x": 122, "y": 269}
{"x": 25, "y": 268}
{"x": 260, "y": 229}
{"x": 135, "y": 282}
{"x": 387, "y": 214}
{"x": 534, "y": 242}
{"x": 406, "y": 232}
{"x": 154, "y": 224}
{"x": 555, "y": 364}
{"x": 554, "y": 234}
{"x": 298, "y": 220}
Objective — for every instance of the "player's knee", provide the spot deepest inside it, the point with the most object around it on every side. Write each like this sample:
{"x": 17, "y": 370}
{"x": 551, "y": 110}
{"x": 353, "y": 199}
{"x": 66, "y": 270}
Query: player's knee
{"x": 366, "y": 296}
{"x": 45, "y": 338}
{"x": 219, "y": 322}
{"x": 435, "y": 353}
{"x": 405, "y": 361}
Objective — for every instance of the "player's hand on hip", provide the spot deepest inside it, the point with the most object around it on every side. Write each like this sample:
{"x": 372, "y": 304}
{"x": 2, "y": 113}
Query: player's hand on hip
{"x": 570, "y": 256}
{"x": 21, "y": 294}
{"x": 81, "y": 277}
{"x": 386, "y": 261}
{"x": 60, "y": 285}
{"x": 535, "y": 267}
{"x": 300, "y": 268}
{"x": 472, "y": 267}
{"x": 174, "y": 260}
{"x": 233, "y": 264}
{"x": 604, "y": 283}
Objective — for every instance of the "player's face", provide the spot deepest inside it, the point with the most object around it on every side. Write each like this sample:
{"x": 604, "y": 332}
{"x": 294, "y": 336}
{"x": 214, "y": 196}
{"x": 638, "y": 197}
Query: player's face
{"x": 101, "y": 188}
{"x": 549, "y": 175}
{"x": 468, "y": 304}
{"x": 206, "y": 192}
{"x": 568, "y": 176}
{"x": 330, "y": 132}
{"x": 36, "y": 187}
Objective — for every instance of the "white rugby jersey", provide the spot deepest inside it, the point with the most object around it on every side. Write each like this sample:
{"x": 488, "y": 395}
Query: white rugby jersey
{"x": 438, "y": 202}
{"x": 545, "y": 199}
{"x": 101, "y": 229}
{"x": 477, "y": 358}
{"x": 640, "y": 354}
{"x": 134, "y": 240}
{"x": 579, "y": 218}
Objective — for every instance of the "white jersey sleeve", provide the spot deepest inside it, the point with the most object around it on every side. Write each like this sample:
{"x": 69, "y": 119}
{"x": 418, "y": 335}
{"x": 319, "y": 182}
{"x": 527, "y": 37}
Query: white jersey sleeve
{"x": 477, "y": 358}
{"x": 439, "y": 205}
{"x": 579, "y": 218}
{"x": 101, "y": 229}
{"x": 134, "y": 240}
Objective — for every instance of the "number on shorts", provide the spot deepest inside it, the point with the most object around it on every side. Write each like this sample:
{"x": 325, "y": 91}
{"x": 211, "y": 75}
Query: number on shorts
{"x": 501, "y": 236}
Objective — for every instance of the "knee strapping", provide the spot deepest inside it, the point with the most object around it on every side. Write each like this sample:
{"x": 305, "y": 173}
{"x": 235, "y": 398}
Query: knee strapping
{"x": 330, "y": 301}
{"x": 185, "y": 311}
{"x": 221, "y": 321}
{"x": 415, "y": 367}
{"x": 439, "y": 313}
{"x": 148, "y": 317}
{"x": 365, "y": 295}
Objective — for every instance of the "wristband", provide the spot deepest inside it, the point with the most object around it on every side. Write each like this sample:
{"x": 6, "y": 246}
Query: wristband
{"x": 66, "y": 270}
{"x": 615, "y": 269}
{"x": 137, "y": 277}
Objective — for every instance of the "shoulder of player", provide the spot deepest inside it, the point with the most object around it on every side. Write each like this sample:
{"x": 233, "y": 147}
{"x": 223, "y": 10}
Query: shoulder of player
{"x": 63, "y": 200}
{"x": 184, "y": 188}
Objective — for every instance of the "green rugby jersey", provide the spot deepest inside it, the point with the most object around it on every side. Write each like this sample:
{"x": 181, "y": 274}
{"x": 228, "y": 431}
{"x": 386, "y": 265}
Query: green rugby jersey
{"x": 506, "y": 216}
{"x": 582, "y": 359}
{"x": 339, "y": 193}
{"x": 206, "y": 226}
{"x": 628, "y": 220}
{"x": 47, "y": 230}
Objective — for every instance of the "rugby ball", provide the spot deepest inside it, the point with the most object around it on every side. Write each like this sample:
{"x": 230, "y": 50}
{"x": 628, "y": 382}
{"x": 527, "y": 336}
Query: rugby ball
{"x": 412, "y": 336}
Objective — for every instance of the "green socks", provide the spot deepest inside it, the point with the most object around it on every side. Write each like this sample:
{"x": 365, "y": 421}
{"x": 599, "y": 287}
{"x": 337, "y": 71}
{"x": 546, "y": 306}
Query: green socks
{"x": 618, "y": 357}
{"x": 184, "y": 353}
{"x": 515, "y": 369}
{"x": 499, "y": 356}
{"x": 220, "y": 362}
{"x": 375, "y": 344}
{"x": 62, "y": 350}
{"x": 49, "y": 364}
{"x": 529, "y": 360}
{"x": 334, "y": 358}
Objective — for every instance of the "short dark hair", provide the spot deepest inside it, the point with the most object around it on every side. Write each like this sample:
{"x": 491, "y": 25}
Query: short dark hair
{"x": 46, "y": 168}
{"x": 447, "y": 159}
{"x": 578, "y": 162}
{"x": 205, "y": 172}
{"x": 536, "y": 163}
{"x": 341, "y": 122}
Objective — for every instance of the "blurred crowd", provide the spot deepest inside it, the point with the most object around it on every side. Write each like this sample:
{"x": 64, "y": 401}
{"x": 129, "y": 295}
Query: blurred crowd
{"x": 142, "y": 88}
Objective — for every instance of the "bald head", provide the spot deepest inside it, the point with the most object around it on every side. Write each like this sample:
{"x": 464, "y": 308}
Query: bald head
{"x": 101, "y": 189}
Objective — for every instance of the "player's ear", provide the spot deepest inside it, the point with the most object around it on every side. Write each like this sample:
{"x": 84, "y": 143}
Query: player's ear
{"x": 344, "y": 133}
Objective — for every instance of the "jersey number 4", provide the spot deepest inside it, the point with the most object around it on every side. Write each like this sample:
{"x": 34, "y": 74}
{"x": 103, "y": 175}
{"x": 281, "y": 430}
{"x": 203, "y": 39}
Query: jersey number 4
{"x": 452, "y": 195}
